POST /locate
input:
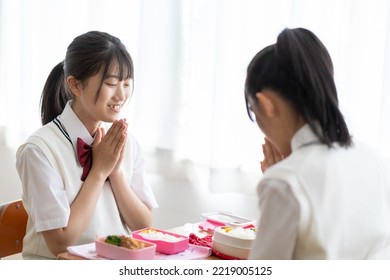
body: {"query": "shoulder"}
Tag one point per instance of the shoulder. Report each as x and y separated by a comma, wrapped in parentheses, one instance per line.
(45, 133)
(39, 136)
(47, 139)
(366, 149)
(370, 158)
(282, 171)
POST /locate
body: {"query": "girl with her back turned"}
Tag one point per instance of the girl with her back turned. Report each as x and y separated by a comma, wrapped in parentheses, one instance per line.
(82, 172)
(323, 195)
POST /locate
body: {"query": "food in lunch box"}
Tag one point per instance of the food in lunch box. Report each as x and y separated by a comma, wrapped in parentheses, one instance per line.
(234, 242)
(239, 232)
(124, 241)
(153, 234)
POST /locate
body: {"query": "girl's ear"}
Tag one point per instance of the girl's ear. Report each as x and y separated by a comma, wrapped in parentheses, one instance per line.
(74, 85)
(267, 103)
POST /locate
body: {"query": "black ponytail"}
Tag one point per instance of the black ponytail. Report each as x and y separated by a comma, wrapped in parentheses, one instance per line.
(55, 94)
(300, 69)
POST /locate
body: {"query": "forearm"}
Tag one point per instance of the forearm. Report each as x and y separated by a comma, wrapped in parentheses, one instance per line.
(81, 211)
(135, 212)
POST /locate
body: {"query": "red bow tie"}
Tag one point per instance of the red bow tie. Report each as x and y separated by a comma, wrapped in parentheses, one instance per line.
(84, 154)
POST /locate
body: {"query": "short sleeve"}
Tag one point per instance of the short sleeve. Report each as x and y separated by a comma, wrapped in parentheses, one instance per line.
(44, 195)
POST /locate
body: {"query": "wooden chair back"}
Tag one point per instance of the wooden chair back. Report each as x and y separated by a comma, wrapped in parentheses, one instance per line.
(13, 222)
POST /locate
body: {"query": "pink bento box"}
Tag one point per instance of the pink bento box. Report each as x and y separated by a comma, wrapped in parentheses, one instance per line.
(164, 246)
(114, 252)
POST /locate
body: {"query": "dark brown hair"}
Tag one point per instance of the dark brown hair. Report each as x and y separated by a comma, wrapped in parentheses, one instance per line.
(85, 57)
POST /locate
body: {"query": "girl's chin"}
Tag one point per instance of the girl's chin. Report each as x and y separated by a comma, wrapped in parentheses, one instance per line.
(111, 119)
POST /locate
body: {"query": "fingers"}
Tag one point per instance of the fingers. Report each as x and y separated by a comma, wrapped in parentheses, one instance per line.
(103, 132)
(273, 152)
(120, 143)
(271, 155)
(114, 140)
(263, 166)
(116, 132)
(277, 156)
(98, 136)
(268, 151)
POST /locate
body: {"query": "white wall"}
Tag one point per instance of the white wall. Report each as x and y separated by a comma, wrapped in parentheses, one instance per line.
(10, 186)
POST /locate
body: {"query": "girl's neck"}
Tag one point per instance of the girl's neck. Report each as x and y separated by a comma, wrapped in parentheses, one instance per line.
(92, 128)
(286, 131)
(90, 125)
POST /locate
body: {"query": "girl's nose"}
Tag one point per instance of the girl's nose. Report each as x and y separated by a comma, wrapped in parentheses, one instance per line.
(120, 93)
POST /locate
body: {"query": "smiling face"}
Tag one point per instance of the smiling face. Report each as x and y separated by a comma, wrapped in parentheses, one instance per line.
(93, 105)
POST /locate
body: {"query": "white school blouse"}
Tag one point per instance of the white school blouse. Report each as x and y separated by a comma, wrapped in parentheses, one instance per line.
(50, 173)
(324, 203)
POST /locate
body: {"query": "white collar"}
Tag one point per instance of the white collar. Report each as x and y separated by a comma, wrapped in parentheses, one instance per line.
(303, 137)
(73, 126)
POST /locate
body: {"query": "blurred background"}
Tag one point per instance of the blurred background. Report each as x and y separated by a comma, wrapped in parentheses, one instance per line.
(188, 109)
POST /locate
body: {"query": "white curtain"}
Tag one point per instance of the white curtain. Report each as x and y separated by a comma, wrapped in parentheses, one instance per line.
(190, 61)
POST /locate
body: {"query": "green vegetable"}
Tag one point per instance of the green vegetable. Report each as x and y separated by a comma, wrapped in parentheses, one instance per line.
(114, 240)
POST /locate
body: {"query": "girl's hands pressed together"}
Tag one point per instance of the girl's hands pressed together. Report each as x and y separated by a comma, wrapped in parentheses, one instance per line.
(119, 162)
(107, 149)
(271, 155)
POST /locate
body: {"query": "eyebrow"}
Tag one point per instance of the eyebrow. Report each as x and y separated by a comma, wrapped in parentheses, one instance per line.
(112, 76)
(115, 77)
